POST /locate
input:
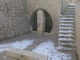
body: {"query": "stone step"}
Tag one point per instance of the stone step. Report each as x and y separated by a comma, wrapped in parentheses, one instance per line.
(68, 28)
(66, 31)
(66, 15)
(69, 44)
(72, 4)
(68, 39)
(66, 18)
(70, 10)
(71, 7)
(70, 25)
(62, 21)
(73, 41)
(65, 48)
(69, 13)
(66, 35)
(65, 25)
(65, 39)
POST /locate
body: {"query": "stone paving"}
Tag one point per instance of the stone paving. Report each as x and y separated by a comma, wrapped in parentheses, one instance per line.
(38, 39)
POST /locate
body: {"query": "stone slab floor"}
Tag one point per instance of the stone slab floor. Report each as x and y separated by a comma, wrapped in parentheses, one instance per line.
(38, 40)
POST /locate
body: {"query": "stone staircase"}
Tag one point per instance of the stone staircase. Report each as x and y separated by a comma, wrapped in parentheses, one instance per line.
(66, 31)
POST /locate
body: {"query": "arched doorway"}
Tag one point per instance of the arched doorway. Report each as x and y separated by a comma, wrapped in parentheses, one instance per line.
(48, 21)
(33, 21)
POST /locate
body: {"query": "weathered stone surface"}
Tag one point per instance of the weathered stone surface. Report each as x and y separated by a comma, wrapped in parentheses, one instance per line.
(13, 18)
(40, 22)
(15, 15)
(51, 6)
(77, 20)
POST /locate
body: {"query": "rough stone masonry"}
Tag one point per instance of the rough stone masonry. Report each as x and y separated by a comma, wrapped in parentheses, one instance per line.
(15, 15)
(13, 18)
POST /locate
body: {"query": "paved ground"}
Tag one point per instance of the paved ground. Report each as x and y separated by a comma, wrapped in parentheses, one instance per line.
(38, 40)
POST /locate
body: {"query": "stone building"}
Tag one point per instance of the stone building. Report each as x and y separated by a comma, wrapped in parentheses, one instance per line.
(19, 17)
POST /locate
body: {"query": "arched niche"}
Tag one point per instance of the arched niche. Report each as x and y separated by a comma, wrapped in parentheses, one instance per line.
(48, 21)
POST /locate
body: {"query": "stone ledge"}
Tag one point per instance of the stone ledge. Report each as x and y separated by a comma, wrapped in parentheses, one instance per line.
(22, 54)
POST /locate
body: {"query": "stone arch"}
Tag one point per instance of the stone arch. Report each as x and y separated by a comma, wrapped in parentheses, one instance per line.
(48, 21)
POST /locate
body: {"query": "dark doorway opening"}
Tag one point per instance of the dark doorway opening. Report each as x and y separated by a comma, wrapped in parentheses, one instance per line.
(34, 21)
(48, 21)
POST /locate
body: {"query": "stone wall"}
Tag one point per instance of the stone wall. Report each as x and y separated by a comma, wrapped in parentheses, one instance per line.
(13, 18)
(65, 4)
(15, 15)
(51, 6)
(73, 1)
(77, 20)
